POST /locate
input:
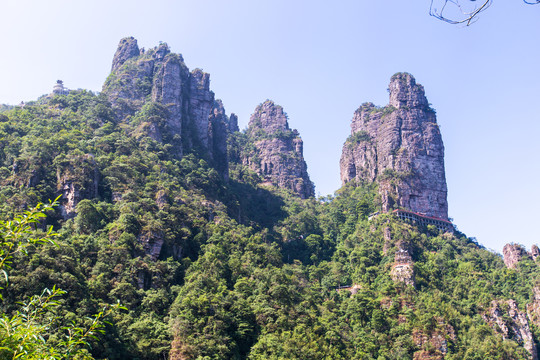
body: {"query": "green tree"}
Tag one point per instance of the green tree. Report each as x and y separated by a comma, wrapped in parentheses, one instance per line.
(34, 331)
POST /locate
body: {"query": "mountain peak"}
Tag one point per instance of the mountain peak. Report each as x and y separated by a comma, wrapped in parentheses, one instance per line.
(127, 49)
(158, 76)
(405, 92)
(278, 155)
(400, 148)
(270, 117)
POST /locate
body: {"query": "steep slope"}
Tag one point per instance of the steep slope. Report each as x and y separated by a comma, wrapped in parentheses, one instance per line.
(229, 269)
(400, 147)
(277, 153)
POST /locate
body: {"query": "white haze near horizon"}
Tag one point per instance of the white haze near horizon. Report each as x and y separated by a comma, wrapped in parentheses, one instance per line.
(320, 61)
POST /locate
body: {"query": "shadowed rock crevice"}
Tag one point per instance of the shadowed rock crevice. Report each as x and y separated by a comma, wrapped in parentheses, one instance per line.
(511, 323)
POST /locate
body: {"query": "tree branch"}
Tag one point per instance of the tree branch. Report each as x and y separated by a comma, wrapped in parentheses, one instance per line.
(467, 16)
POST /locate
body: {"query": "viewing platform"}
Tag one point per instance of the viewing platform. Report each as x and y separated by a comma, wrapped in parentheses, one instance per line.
(421, 219)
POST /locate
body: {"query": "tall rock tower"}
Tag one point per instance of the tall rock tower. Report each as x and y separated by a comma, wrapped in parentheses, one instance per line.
(399, 146)
(277, 152)
(189, 116)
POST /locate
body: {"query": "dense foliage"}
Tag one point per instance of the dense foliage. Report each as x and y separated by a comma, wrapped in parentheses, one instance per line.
(241, 271)
(34, 330)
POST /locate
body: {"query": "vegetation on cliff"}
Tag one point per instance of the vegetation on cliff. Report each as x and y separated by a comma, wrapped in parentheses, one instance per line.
(224, 266)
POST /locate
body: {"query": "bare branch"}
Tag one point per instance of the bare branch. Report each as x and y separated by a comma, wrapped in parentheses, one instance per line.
(459, 13)
(462, 16)
(466, 16)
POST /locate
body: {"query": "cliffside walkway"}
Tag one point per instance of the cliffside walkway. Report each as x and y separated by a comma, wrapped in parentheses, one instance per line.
(411, 216)
(421, 219)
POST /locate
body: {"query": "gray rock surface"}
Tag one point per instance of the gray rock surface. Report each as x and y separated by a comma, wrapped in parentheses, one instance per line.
(277, 154)
(506, 319)
(77, 179)
(159, 76)
(233, 123)
(200, 103)
(403, 267)
(400, 147)
(168, 85)
(127, 49)
(152, 242)
(512, 254)
(535, 252)
(219, 128)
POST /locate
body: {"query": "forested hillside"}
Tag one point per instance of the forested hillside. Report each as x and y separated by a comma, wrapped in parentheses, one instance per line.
(214, 260)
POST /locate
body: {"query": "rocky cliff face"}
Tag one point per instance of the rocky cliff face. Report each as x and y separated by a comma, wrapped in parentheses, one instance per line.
(506, 319)
(277, 152)
(403, 267)
(514, 253)
(77, 179)
(535, 252)
(533, 309)
(400, 147)
(219, 127)
(159, 76)
(127, 49)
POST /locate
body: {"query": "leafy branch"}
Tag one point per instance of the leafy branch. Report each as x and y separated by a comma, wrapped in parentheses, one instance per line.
(18, 234)
(27, 333)
(77, 337)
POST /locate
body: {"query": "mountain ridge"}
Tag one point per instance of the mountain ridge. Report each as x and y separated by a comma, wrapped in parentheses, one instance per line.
(232, 257)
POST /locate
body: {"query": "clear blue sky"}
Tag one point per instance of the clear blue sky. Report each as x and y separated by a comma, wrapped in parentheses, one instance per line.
(320, 60)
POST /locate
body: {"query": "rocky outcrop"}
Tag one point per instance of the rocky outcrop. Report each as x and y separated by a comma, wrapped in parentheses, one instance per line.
(131, 79)
(277, 153)
(233, 123)
(400, 147)
(127, 49)
(533, 309)
(506, 319)
(77, 179)
(403, 268)
(200, 103)
(170, 76)
(436, 341)
(159, 76)
(535, 252)
(219, 128)
(514, 253)
(152, 242)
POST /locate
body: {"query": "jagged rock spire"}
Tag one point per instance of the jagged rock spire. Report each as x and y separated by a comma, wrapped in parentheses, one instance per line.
(269, 117)
(405, 92)
(158, 76)
(400, 147)
(127, 49)
(279, 150)
(514, 253)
